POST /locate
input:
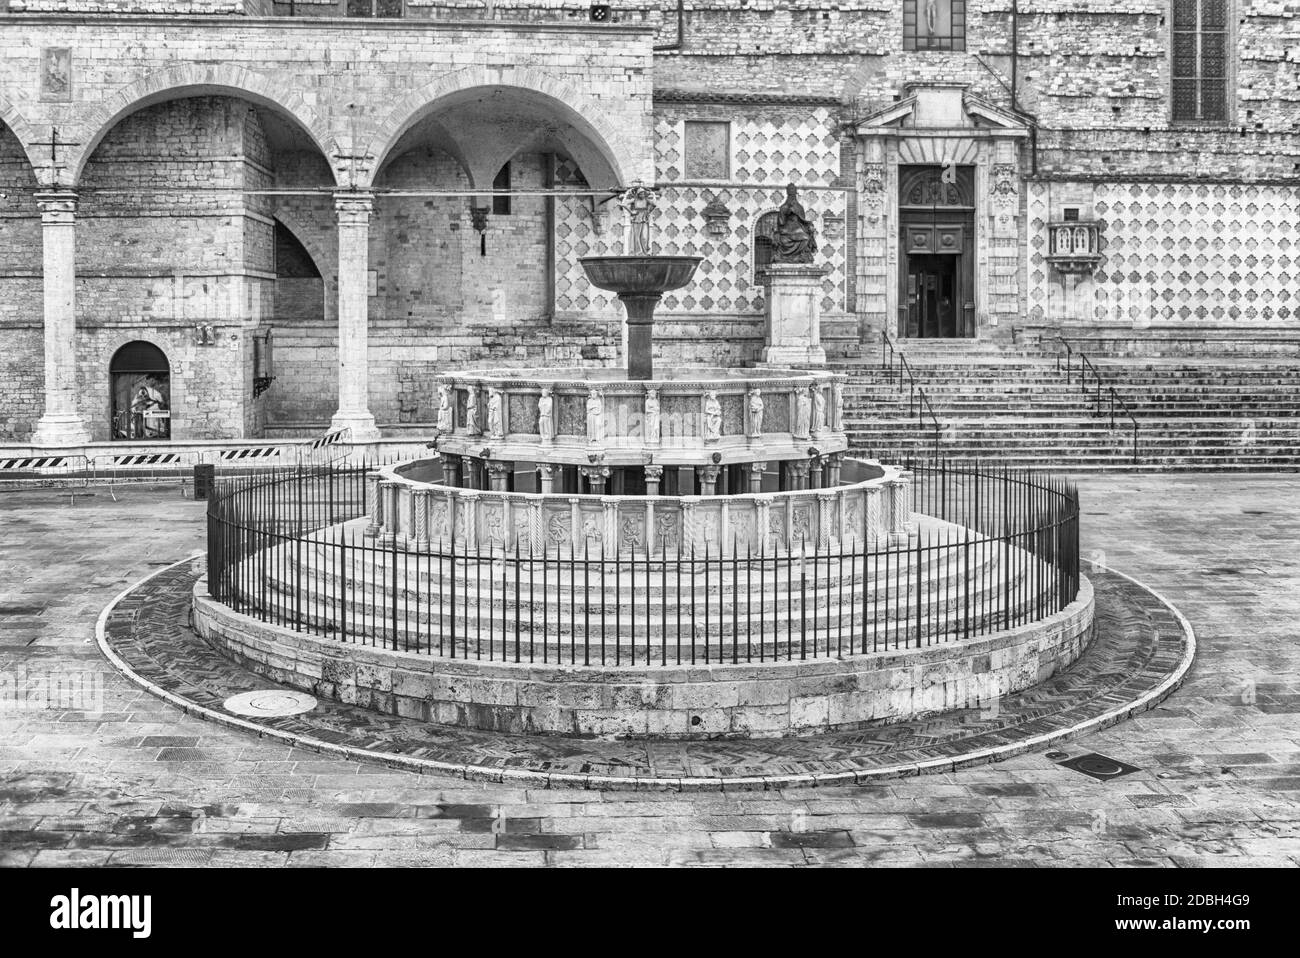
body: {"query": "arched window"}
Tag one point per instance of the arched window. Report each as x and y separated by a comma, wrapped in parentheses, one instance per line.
(140, 378)
(764, 244)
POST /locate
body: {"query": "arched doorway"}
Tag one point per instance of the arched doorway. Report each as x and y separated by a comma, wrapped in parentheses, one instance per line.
(937, 274)
(140, 378)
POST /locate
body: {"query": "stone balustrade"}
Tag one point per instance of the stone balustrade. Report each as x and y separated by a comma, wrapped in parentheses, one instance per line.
(403, 513)
(579, 416)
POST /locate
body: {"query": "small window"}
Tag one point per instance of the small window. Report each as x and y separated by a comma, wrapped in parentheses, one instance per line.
(391, 9)
(501, 204)
(708, 150)
(1200, 64)
(1071, 214)
(934, 25)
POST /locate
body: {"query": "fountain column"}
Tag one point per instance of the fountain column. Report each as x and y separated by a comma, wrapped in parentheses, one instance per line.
(60, 423)
(353, 211)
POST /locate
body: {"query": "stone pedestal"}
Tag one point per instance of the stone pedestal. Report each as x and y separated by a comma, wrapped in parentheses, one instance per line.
(793, 321)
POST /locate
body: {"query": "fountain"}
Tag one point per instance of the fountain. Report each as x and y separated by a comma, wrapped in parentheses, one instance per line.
(610, 552)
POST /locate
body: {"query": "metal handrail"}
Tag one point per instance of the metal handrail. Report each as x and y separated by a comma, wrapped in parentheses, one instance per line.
(1086, 366)
(914, 387)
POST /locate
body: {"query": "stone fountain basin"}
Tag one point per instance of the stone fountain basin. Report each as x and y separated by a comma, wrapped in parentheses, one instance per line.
(640, 274)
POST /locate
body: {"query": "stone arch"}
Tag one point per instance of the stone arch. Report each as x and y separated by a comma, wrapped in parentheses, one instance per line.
(326, 262)
(21, 129)
(585, 114)
(107, 350)
(758, 230)
(214, 79)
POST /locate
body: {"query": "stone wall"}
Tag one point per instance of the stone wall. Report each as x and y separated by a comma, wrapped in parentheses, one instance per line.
(703, 701)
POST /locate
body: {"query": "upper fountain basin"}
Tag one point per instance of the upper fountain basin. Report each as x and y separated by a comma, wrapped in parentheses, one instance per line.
(641, 273)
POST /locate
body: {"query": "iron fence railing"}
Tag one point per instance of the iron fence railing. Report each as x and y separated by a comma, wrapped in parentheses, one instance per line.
(890, 356)
(992, 549)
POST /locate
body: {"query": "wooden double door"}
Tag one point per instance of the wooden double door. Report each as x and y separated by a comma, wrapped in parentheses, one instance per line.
(937, 294)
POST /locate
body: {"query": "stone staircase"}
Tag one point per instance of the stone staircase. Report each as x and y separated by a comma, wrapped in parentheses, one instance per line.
(1012, 404)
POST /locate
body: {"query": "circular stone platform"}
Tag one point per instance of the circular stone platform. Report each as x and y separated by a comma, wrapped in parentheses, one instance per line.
(1142, 650)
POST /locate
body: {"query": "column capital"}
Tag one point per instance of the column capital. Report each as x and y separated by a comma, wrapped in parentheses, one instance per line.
(353, 207)
(57, 206)
(654, 473)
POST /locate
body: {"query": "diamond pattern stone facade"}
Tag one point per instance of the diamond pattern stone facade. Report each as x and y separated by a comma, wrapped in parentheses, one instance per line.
(1172, 253)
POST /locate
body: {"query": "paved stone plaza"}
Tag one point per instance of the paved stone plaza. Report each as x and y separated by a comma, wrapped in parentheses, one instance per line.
(141, 783)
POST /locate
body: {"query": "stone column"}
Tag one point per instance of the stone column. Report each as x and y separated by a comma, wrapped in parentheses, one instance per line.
(388, 528)
(834, 463)
(60, 423)
(450, 469)
(796, 472)
(375, 506)
(498, 475)
(419, 538)
(756, 476)
(596, 475)
(653, 476)
(709, 480)
(354, 236)
(547, 473)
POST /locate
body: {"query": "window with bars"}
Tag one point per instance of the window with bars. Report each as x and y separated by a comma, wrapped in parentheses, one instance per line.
(934, 24)
(1200, 67)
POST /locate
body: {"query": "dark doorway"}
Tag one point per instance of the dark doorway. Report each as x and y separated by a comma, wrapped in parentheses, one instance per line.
(932, 296)
(140, 380)
(937, 252)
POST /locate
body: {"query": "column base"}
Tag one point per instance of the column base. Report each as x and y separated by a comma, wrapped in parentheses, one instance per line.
(60, 431)
(362, 425)
(794, 356)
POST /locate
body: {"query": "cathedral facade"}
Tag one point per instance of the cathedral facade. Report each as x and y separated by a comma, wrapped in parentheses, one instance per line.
(229, 220)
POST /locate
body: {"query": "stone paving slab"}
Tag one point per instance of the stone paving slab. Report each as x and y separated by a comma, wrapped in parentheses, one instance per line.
(1138, 656)
(1166, 529)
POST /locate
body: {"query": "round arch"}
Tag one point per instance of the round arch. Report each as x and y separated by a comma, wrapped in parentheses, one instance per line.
(550, 94)
(139, 374)
(22, 130)
(323, 256)
(190, 81)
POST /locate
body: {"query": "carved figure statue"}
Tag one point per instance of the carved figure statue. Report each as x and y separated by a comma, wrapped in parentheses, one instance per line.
(755, 414)
(712, 416)
(495, 421)
(818, 410)
(595, 416)
(444, 408)
(471, 410)
(796, 240)
(652, 424)
(639, 202)
(546, 414)
(803, 414)
(837, 404)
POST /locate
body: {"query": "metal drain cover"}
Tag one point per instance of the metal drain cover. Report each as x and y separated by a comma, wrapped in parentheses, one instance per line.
(270, 703)
(1099, 766)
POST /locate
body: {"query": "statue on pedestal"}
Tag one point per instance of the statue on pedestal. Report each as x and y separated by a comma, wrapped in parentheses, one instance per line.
(796, 240)
(639, 202)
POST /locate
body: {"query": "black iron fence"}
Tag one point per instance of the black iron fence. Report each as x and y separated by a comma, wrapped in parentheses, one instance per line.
(991, 549)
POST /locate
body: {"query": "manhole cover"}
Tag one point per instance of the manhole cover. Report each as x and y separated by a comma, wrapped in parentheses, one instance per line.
(270, 703)
(1099, 766)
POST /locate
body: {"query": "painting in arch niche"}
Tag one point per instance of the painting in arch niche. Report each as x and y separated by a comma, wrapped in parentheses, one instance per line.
(140, 378)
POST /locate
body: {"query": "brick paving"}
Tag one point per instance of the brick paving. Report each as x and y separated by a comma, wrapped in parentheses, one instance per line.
(1138, 653)
(137, 782)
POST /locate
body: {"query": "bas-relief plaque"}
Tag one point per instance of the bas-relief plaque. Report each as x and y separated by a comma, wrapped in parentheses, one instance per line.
(56, 73)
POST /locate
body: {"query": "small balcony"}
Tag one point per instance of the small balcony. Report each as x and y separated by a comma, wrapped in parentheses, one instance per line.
(1074, 246)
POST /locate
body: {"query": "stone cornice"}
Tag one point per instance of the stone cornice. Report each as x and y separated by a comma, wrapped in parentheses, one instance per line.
(332, 24)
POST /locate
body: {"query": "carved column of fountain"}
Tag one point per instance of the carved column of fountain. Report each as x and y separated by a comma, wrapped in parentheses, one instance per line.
(640, 279)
